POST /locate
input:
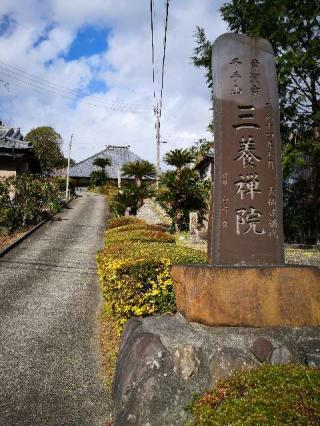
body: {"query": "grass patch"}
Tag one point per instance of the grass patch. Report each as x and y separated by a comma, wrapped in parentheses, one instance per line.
(293, 256)
(109, 341)
(310, 256)
(266, 396)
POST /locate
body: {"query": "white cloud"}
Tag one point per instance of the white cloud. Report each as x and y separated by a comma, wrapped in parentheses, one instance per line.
(125, 67)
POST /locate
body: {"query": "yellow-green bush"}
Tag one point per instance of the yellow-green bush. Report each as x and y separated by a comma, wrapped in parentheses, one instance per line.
(134, 270)
(138, 234)
(124, 220)
(269, 395)
(134, 226)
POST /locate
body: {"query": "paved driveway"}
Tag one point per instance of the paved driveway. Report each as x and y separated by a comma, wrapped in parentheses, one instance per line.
(49, 300)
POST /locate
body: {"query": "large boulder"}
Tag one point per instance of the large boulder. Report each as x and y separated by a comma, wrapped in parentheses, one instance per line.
(164, 360)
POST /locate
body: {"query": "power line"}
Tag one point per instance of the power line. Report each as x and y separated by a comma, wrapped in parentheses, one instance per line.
(157, 107)
(55, 44)
(37, 79)
(24, 82)
(152, 48)
(164, 53)
(34, 86)
(18, 71)
(23, 78)
(39, 87)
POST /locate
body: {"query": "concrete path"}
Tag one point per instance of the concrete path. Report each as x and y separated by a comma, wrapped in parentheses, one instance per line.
(49, 300)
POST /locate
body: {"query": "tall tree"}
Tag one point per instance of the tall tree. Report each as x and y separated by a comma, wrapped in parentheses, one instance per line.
(182, 190)
(139, 169)
(47, 144)
(102, 162)
(100, 177)
(179, 158)
(293, 28)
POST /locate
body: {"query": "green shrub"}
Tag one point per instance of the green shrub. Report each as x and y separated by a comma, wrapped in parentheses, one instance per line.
(131, 233)
(98, 178)
(131, 196)
(134, 270)
(110, 189)
(26, 200)
(266, 396)
(135, 226)
(124, 220)
(182, 191)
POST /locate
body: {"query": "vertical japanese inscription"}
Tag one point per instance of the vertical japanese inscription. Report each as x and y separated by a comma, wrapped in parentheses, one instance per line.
(247, 205)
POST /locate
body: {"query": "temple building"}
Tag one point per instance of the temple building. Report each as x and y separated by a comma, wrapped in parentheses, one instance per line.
(16, 155)
(118, 154)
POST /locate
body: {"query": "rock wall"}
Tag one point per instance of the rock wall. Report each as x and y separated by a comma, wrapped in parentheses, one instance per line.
(164, 360)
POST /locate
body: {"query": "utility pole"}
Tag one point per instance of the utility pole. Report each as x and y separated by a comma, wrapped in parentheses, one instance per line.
(119, 178)
(68, 168)
(157, 114)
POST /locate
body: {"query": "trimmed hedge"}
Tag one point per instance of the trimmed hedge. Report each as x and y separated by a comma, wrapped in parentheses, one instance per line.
(124, 220)
(134, 234)
(27, 199)
(266, 396)
(134, 270)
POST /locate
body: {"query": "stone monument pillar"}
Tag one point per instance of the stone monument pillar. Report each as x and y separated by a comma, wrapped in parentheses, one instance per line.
(247, 204)
(193, 226)
(246, 282)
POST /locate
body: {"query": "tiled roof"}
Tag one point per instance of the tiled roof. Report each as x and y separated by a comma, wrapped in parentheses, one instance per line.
(10, 143)
(12, 139)
(119, 155)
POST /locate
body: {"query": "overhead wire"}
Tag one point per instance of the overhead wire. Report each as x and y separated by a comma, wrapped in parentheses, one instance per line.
(21, 77)
(152, 48)
(158, 94)
(164, 54)
(55, 44)
(18, 71)
(73, 92)
(24, 82)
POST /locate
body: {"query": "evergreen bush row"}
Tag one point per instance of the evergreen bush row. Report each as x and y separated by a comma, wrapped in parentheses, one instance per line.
(134, 269)
(27, 199)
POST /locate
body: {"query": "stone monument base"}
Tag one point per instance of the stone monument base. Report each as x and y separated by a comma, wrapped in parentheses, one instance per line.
(286, 296)
(164, 360)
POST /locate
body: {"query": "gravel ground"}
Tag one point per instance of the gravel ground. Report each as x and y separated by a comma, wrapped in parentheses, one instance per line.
(50, 367)
(302, 256)
(293, 255)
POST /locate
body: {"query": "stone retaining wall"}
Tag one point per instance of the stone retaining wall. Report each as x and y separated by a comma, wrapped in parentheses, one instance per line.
(164, 360)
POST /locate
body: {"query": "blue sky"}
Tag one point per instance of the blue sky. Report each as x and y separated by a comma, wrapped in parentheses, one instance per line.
(89, 41)
(7, 24)
(52, 51)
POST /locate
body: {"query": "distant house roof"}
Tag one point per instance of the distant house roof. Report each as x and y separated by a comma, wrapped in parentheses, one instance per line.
(205, 160)
(12, 139)
(119, 155)
(12, 146)
(203, 165)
